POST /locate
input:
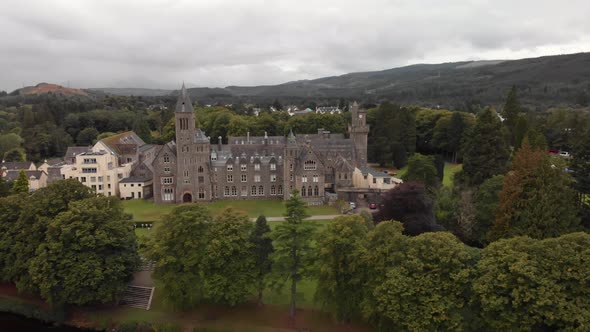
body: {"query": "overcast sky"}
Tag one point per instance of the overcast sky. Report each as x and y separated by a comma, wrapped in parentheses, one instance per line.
(160, 43)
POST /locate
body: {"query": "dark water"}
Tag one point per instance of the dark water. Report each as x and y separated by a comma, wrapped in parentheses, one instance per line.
(15, 323)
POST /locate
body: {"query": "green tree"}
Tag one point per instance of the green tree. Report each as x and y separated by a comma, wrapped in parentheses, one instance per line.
(292, 240)
(87, 136)
(524, 284)
(263, 249)
(10, 210)
(340, 280)
(178, 251)
(536, 199)
(89, 254)
(485, 152)
(580, 166)
(520, 130)
(428, 290)
(511, 112)
(21, 184)
(486, 202)
(9, 141)
(229, 264)
(39, 209)
(4, 187)
(141, 127)
(15, 154)
(421, 169)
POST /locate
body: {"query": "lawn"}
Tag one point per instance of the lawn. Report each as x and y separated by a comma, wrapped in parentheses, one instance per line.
(149, 211)
(450, 170)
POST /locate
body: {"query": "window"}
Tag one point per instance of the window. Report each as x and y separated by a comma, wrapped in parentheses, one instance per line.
(260, 191)
(244, 178)
(187, 180)
(89, 160)
(309, 165)
(139, 184)
(168, 194)
(273, 178)
(253, 191)
(273, 190)
(256, 167)
(166, 158)
(133, 184)
(201, 179)
(167, 181)
(89, 170)
(303, 191)
(108, 178)
(234, 191)
(230, 167)
(257, 178)
(167, 170)
(244, 167)
(93, 187)
(200, 169)
(244, 191)
(304, 178)
(83, 179)
(93, 179)
(129, 160)
(108, 186)
(291, 177)
(374, 180)
(226, 191)
(100, 187)
(290, 167)
(139, 194)
(316, 191)
(273, 166)
(309, 191)
(230, 178)
(280, 190)
(316, 178)
(185, 173)
(100, 179)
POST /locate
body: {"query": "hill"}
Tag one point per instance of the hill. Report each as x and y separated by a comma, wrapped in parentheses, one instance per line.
(43, 88)
(131, 92)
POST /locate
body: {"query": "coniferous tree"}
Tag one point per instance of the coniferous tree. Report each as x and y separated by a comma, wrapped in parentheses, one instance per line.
(520, 130)
(292, 240)
(4, 187)
(580, 166)
(536, 199)
(485, 151)
(263, 249)
(21, 184)
(511, 112)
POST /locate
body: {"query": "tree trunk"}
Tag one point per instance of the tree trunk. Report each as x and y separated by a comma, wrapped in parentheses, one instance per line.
(293, 293)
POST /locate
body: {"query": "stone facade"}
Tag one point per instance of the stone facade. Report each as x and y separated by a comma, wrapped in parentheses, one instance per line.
(191, 169)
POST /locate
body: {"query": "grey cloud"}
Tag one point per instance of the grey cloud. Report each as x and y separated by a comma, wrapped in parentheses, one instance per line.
(158, 43)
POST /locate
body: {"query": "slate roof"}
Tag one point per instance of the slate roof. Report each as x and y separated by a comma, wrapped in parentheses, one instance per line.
(184, 103)
(124, 143)
(16, 165)
(73, 151)
(375, 173)
(134, 179)
(12, 175)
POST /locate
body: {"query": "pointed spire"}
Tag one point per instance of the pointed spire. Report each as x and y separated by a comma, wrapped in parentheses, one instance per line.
(184, 102)
(291, 138)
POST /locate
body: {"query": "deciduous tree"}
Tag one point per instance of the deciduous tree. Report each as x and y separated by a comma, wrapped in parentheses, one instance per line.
(421, 169)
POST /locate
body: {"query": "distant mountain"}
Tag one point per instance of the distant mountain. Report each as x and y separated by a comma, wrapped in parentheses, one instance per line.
(544, 81)
(131, 91)
(43, 88)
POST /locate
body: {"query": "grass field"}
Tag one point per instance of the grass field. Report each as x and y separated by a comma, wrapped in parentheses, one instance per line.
(450, 170)
(149, 211)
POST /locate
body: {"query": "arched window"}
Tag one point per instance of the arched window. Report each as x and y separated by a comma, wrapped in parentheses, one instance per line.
(303, 192)
(226, 192)
(260, 191)
(201, 193)
(316, 191)
(309, 191)
(200, 169)
(309, 165)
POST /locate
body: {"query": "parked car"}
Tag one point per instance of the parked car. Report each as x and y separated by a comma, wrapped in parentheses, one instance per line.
(564, 154)
(372, 206)
(352, 205)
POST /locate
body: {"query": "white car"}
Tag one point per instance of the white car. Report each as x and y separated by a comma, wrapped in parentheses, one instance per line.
(564, 154)
(352, 205)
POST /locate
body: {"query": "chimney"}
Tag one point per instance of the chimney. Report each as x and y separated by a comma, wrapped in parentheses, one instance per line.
(219, 142)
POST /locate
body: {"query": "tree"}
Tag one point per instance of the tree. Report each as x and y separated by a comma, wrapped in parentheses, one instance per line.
(10, 210)
(141, 127)
(485, 152)
(4, 187)
(9, 141)
(21, 184)
(421, 169)
(520, 130)
(38, 210)
(428, 290)
(536, 199)
(15, 154)
(87, 136)
(486, 202)
(580, 166)
(410, 204)
(511, 112)
(292, 240)
(228, 265)
(340, 280)
(263, 249)
(524, 284)
(89, 254)
(178, 251)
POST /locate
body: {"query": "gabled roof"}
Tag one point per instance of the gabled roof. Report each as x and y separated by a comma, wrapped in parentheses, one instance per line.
(123, 143)
(16, 165)
(12, 175)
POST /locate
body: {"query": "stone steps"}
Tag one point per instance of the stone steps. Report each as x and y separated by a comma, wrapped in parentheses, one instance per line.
(137, 297)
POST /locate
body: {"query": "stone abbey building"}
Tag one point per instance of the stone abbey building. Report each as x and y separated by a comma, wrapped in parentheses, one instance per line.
(191, 169)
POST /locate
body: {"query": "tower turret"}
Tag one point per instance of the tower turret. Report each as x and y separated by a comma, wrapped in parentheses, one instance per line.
(359, 132)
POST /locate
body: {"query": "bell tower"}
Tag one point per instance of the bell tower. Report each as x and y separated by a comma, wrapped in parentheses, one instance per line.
(359, 132)
(185, 134)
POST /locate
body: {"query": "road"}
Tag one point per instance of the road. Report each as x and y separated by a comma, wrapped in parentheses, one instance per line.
(322, 217)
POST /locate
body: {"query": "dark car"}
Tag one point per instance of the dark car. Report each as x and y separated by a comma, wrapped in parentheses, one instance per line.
(372, 206)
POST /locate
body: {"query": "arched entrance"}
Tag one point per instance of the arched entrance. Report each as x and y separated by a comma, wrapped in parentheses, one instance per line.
(187, 198)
